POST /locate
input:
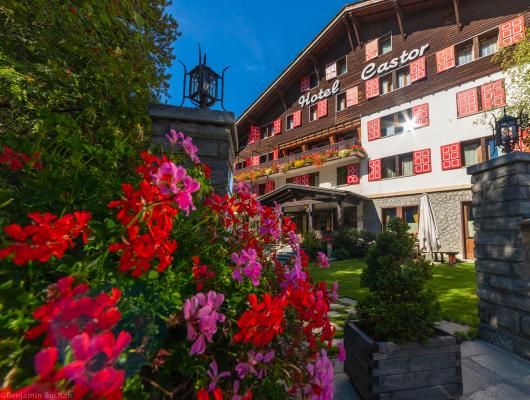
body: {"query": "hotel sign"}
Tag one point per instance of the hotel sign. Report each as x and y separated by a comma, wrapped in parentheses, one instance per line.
(371, 70)
(308, 99)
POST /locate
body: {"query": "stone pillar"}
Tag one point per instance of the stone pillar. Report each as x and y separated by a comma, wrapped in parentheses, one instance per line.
(340, 215)
(501, 208)
(213, 132)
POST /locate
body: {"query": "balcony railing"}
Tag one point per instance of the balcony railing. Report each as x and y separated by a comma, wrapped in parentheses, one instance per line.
(346, 144)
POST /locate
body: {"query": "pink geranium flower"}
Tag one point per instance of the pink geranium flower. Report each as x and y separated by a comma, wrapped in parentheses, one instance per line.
(322, 260)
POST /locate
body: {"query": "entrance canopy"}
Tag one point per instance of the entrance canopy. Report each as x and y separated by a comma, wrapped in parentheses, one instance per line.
(298, 194)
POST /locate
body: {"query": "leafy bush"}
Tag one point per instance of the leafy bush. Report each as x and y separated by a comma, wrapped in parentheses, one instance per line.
(175, 293)
(352, 243)
(312, 244)
(399, 307)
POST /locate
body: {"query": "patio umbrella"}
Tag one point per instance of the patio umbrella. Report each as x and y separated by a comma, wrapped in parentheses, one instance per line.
(427, 230)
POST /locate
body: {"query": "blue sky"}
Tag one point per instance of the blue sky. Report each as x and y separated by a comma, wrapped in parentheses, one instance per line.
(258, 39)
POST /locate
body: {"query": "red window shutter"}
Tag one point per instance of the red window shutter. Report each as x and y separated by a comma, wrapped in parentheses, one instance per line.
(374, 129)
(269, 186)
(277, 126)
(305, 83)
(445, 59)
(467, 102)
(372, 49)
(417, 69)
(372, 87)
(304, 180)
(451, 157)
(297, 118)
(322, 108)
(524, 144)
(374, 170)
(422, 161)
(255, 160)
(511, 32)
(331, 71)
(275, 154)
(353, 176)
(248, 162)
(493, 95)
(352, 96)
(254, 134)
(421, 115)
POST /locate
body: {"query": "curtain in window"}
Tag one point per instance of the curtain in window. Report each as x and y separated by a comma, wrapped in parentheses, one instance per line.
(465, 56)
(407, 166)
(471, 154)
(488, 46)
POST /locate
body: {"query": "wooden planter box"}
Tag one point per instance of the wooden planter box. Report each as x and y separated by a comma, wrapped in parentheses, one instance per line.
(390, 371)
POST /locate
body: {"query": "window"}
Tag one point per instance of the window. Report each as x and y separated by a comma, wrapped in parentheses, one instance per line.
(294, 150)
(488, 43)
(318, 145)
(341, 137)
(385, 44)
(464, 52)
(313, 80)
(350, 217)
(290, 121)
(386, 84)
(240, 165)
(409, 214)
(313, 113)
(471, 153)
(403, 77)
(406, 165)
(396, 123)
(341, 101)
(342, 67)
(400, 165)
(266, 131)
(388, 214)
(342, 175)
(411, 217)
(262, 187)
(266, 157)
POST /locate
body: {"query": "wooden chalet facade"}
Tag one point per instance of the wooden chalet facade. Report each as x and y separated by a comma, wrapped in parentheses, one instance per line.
(407, 80)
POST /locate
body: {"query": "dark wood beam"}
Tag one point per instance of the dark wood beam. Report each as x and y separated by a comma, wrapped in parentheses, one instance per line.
(356, 27)
(456, 7)
(349, 32)
(399, 15)
(281, 94)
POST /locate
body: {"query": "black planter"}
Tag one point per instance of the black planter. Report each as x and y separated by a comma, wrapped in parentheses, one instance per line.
(390, 371)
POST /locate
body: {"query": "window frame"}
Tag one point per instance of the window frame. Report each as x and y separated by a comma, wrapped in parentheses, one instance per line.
(343, 93)
(291, 116)
(270, 125)
(379, 44)
(310, 109)
(461, 43)
(399, 212)
(486, 34)
(345, 169)
(345, 58)
(396, 122)
(397, 165)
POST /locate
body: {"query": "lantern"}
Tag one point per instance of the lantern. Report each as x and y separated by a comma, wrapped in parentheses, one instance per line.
(507, 132)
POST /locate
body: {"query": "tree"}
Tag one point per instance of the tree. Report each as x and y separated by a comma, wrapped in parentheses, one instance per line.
(76, 78)
(515, 61)
(399, 307)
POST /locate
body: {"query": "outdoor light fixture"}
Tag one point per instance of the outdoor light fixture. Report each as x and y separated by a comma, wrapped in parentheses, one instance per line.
(203, 86)
(506, 130)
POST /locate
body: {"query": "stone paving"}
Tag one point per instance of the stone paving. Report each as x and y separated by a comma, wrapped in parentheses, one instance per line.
(489, 373)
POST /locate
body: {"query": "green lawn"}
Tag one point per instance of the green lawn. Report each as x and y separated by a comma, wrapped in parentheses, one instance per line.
(455, 286)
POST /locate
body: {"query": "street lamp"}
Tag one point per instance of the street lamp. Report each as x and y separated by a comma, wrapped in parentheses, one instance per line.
(203, 88)
(506, 131)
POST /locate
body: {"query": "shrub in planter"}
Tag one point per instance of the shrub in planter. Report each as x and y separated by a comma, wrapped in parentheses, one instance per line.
(168, 293)
(399, 307)
(394, 351)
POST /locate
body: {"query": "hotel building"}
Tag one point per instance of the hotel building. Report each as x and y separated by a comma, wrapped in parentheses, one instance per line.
(390, 100)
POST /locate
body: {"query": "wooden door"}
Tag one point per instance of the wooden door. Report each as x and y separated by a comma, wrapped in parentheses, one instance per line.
(468, 231)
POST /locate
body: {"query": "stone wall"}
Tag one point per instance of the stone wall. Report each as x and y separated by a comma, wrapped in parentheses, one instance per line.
(213, 132)
(447, 209)
(501, 207)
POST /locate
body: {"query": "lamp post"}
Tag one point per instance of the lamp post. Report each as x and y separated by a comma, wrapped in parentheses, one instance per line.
(506, 130)
(203, 87)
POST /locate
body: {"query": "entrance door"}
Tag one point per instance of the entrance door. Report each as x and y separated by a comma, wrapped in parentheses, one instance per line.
(468, 231)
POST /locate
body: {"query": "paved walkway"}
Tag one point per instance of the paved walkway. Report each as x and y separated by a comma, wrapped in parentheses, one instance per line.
(489, 373)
